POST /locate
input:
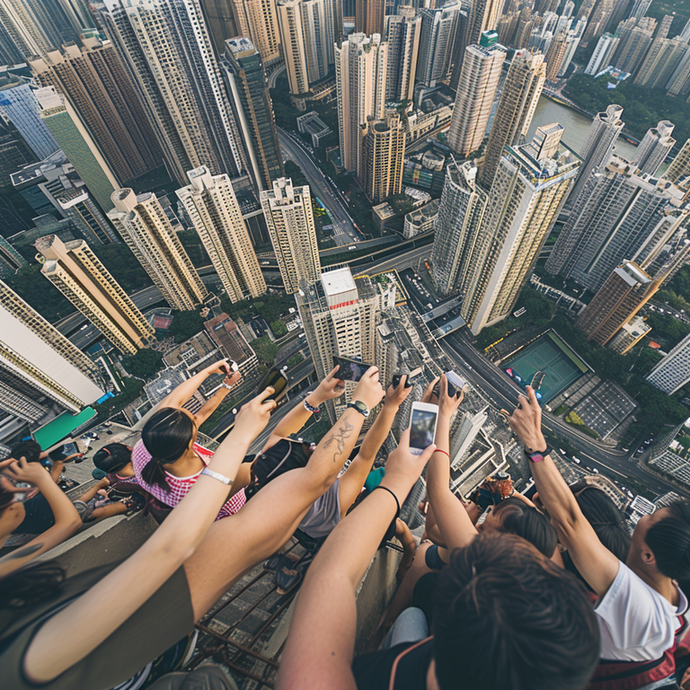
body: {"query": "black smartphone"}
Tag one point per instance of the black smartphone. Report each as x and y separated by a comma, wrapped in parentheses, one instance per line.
(278, 381)
(349, 369)
(537, 380)
(396, 381)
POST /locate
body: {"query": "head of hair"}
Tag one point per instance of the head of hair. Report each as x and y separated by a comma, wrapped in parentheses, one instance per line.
(167, 435)
(527, 522)
(669, 540)
(112, 457)
(508, 618)
(30, 585)
(28, 449)
(606, 519)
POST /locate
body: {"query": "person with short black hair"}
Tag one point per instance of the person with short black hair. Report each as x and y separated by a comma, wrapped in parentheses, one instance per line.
(641, 607)
(507, 617)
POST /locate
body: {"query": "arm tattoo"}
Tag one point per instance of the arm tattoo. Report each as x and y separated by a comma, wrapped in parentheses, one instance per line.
(339, 437)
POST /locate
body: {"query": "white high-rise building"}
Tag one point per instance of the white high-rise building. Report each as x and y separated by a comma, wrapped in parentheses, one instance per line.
(481, 71)
(403, 32)
(654, 147)
(39, 368)
(319, 37)
(603, 53)
(294, 46)
(460, 218)
(168, 50)
(212, 207)
(673, 371)
(148, 232)
(529, 189)
(439, 28)
(361, 64)
(290, 222)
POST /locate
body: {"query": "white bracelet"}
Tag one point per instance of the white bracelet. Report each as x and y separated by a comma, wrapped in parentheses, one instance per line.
(227, 385)
(217, 475)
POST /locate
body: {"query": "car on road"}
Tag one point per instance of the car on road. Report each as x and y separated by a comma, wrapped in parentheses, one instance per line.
(576, 460)
(351, 248)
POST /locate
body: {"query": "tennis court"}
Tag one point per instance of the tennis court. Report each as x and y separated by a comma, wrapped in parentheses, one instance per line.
(551, 355)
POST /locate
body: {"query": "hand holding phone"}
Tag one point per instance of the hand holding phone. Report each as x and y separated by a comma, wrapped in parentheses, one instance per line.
(395, 382)
(423, 420)
(278, 381)
(349, 369)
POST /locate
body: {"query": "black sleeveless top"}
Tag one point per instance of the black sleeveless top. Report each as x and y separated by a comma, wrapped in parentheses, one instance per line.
(403, 667)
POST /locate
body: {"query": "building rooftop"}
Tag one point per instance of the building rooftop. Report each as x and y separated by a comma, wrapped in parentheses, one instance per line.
(337, 281)
(240, 45)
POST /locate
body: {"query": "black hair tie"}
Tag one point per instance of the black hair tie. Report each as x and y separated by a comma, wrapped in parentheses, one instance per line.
(397, 502)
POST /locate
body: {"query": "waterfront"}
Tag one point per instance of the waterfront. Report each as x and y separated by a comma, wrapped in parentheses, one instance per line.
(576, 126)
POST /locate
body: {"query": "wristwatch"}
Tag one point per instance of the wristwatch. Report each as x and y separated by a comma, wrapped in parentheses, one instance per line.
(539, 455)
(360, 407)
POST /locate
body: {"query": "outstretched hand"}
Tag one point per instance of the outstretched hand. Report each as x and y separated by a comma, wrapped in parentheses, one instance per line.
(448, 404)
(23, 471)
(429, 394)
(231, 380)
(402, 466)
(369, 390)
(526, 422)
(253, 417)
(395, 395)
(331, 387)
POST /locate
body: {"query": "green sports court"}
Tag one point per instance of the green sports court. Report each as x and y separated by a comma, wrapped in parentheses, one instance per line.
(550, 354)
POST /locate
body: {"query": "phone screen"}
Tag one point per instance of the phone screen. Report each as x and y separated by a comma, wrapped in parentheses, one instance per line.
(349, 370)
(277, 380)
(422, 428)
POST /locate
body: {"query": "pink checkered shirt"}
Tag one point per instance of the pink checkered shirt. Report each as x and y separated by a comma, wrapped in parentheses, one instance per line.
(179, 486)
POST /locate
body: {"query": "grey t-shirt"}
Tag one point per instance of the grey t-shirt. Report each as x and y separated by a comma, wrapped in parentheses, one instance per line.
(323, 516)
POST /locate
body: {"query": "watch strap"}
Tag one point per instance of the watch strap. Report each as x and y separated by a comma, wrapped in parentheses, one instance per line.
(360, 407)
(539, 455)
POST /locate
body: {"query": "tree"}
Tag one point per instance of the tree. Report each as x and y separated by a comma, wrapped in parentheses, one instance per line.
(185, 324)
(293, 171)
(123, 266)
(295, 360)
(278, 328)
(144, 363)
(40, 293)
(265, 350)
(131, 389)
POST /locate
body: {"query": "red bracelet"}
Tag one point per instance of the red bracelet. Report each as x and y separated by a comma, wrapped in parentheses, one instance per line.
(445, 452)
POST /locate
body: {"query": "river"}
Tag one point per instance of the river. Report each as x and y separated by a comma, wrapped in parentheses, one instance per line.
(576, 126)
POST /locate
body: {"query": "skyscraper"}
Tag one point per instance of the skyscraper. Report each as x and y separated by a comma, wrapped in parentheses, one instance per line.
(76, 271)
(248, 90)
(483, 16)
(294, 50)
(634, 43)
(654, 147)
(403, 31)
(256, 19)
(383, 151)
(625, 216)
(481, 71)
(680, 167)
(673, 371)
(86, 216)
(100, 90)
(167, 45)
(603, 53)
(460, 216)
(555, 55)
(211, 204)
(78, 145)
(528, 192)
(18, 103)
(599, 19)
(661, 61)
(318, 29)
(439, 28)
(521, 91)
(369, 16)
(621, 296)
(147, 230)
(290, 222)
(361, 64)
(220, 20)
(40, 370)
(339, 317)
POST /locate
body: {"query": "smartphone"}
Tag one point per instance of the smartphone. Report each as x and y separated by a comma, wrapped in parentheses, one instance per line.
(349, 369)
(278, 381)
(232, 365)
(537, 380)
(456, 380)
(422, 426)
(396, 381)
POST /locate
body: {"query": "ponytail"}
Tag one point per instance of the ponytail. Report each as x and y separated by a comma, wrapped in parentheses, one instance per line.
(166, 436)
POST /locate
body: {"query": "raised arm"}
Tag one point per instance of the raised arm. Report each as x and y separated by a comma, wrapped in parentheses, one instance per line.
(320, 646)
(352, 481)
(454, 523)
(593, 560)
(179, 396)
(117, 596)
(210, 406)
(67, 520)
(329, 389)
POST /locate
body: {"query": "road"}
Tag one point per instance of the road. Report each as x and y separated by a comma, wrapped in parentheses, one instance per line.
(504, 393)
(273, 76)
(320, 186)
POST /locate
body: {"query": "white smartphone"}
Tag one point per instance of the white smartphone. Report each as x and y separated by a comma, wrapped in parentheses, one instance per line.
(422, 426)
(232, 365)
